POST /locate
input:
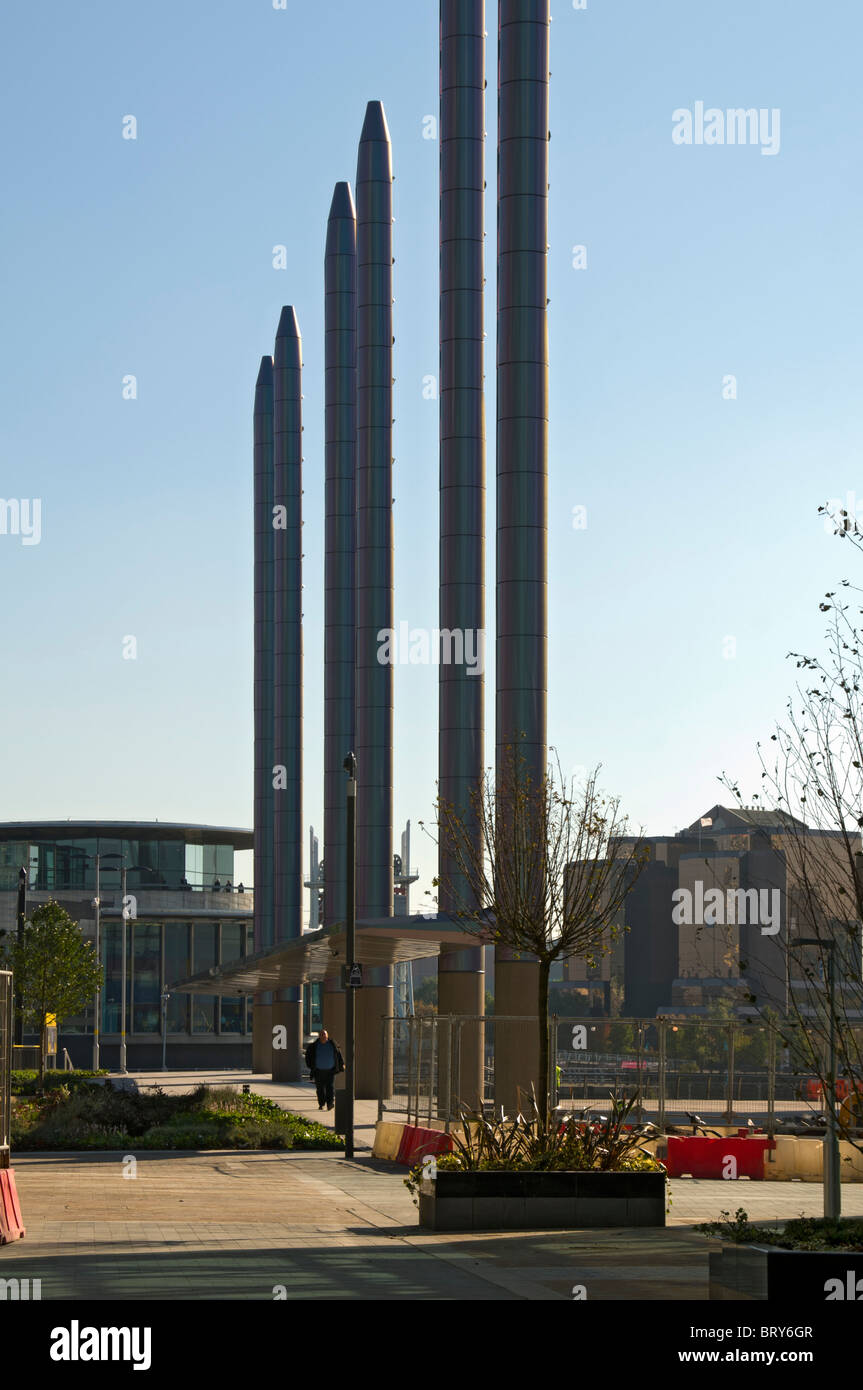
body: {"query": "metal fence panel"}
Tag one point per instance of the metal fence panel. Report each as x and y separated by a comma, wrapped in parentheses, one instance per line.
(724, 1070)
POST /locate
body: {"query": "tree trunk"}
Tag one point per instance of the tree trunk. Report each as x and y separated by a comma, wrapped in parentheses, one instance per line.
(542, 1024)
(43, 1043)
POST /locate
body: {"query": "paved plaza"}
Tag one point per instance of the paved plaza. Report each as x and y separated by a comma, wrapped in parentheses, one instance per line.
(249, 1225)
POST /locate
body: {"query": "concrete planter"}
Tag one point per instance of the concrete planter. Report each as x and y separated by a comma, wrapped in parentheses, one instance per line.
(514, 1201)
(740, 1273)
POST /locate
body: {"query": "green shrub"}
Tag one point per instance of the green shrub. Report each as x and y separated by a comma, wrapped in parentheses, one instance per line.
(577, 1144)
(803, 1233)
(26, 1083)
(98, 1117)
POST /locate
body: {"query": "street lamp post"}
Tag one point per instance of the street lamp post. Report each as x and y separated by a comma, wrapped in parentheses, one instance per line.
(22, 916)
(165, 997)
(97, 1001)
(832, 1171)
(123, 929)
(350, 766)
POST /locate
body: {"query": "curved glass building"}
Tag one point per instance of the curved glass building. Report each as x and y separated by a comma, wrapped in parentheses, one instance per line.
(188, 912)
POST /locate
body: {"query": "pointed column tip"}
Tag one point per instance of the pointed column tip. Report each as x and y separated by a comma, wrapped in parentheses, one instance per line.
(343, 201)
(375, 124)
(288, 324)
(265, 371)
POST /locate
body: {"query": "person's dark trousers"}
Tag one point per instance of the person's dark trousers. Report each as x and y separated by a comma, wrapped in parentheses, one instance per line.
(324, 1084)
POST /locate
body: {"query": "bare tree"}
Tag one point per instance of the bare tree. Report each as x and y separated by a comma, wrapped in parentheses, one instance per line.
(813, 772)
(541, 868)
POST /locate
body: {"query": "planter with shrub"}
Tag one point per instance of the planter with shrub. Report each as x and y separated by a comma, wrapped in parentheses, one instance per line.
(810, 1258)
(516, 1174)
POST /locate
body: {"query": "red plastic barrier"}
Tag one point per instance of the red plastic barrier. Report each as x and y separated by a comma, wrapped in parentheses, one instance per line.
(406, 1141)
(11, 1225)
(706, 1157)
(417, 1143)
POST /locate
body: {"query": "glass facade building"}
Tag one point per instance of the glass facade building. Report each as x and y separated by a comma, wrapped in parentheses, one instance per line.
(160, 954)
(189, 913)
(67, 863)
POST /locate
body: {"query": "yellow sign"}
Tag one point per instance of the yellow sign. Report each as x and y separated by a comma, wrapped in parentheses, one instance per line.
(50, 1020)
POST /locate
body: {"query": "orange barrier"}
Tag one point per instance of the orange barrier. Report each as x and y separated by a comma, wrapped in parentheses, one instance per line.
(845, 1087)
(11, 1225)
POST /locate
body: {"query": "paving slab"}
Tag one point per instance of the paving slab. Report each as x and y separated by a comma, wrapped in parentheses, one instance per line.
(225, 1225)
(260, 1225)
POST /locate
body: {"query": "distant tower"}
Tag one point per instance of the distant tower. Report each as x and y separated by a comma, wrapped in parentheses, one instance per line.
(314, 882)
(403, 877)
(288, 701)
(374, 574)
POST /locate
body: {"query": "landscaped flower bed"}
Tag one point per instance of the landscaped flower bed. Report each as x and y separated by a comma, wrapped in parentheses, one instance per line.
(809, 1258)
(517, 1174)
(98, 1117)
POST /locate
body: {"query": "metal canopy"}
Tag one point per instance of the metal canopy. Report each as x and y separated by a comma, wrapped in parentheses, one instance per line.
(320, 955)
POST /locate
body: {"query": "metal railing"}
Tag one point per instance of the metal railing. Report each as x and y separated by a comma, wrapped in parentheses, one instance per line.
(725, 1070)
(25, 1057)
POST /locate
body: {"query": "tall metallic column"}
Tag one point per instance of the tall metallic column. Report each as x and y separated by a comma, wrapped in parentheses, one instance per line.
(374, 571)
(264, 633)
(462, 481)
(288, 684)
(263, 696)
(340, 394)
(522, 452)
(340, 445)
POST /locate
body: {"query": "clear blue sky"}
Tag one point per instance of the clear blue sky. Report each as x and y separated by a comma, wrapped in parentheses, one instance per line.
(154, 258)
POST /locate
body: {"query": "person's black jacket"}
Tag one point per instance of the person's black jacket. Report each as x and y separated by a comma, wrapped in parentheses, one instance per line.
(312, 1049)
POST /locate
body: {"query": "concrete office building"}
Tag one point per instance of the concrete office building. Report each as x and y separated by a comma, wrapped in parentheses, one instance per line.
(711, 916)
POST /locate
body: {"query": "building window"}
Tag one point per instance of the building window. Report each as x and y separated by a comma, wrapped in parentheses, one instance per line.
(177, 967)
(14, 856)
(203, 1013)
(112, 961)
(194, 865)
(312, 1008)
(146, 960)
(233, 942)
(205, 934)
(224, 864)
(231, 1014)
(204, 954)
(172, 862)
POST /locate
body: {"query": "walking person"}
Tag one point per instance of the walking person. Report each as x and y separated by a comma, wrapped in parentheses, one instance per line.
(324, 1061)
